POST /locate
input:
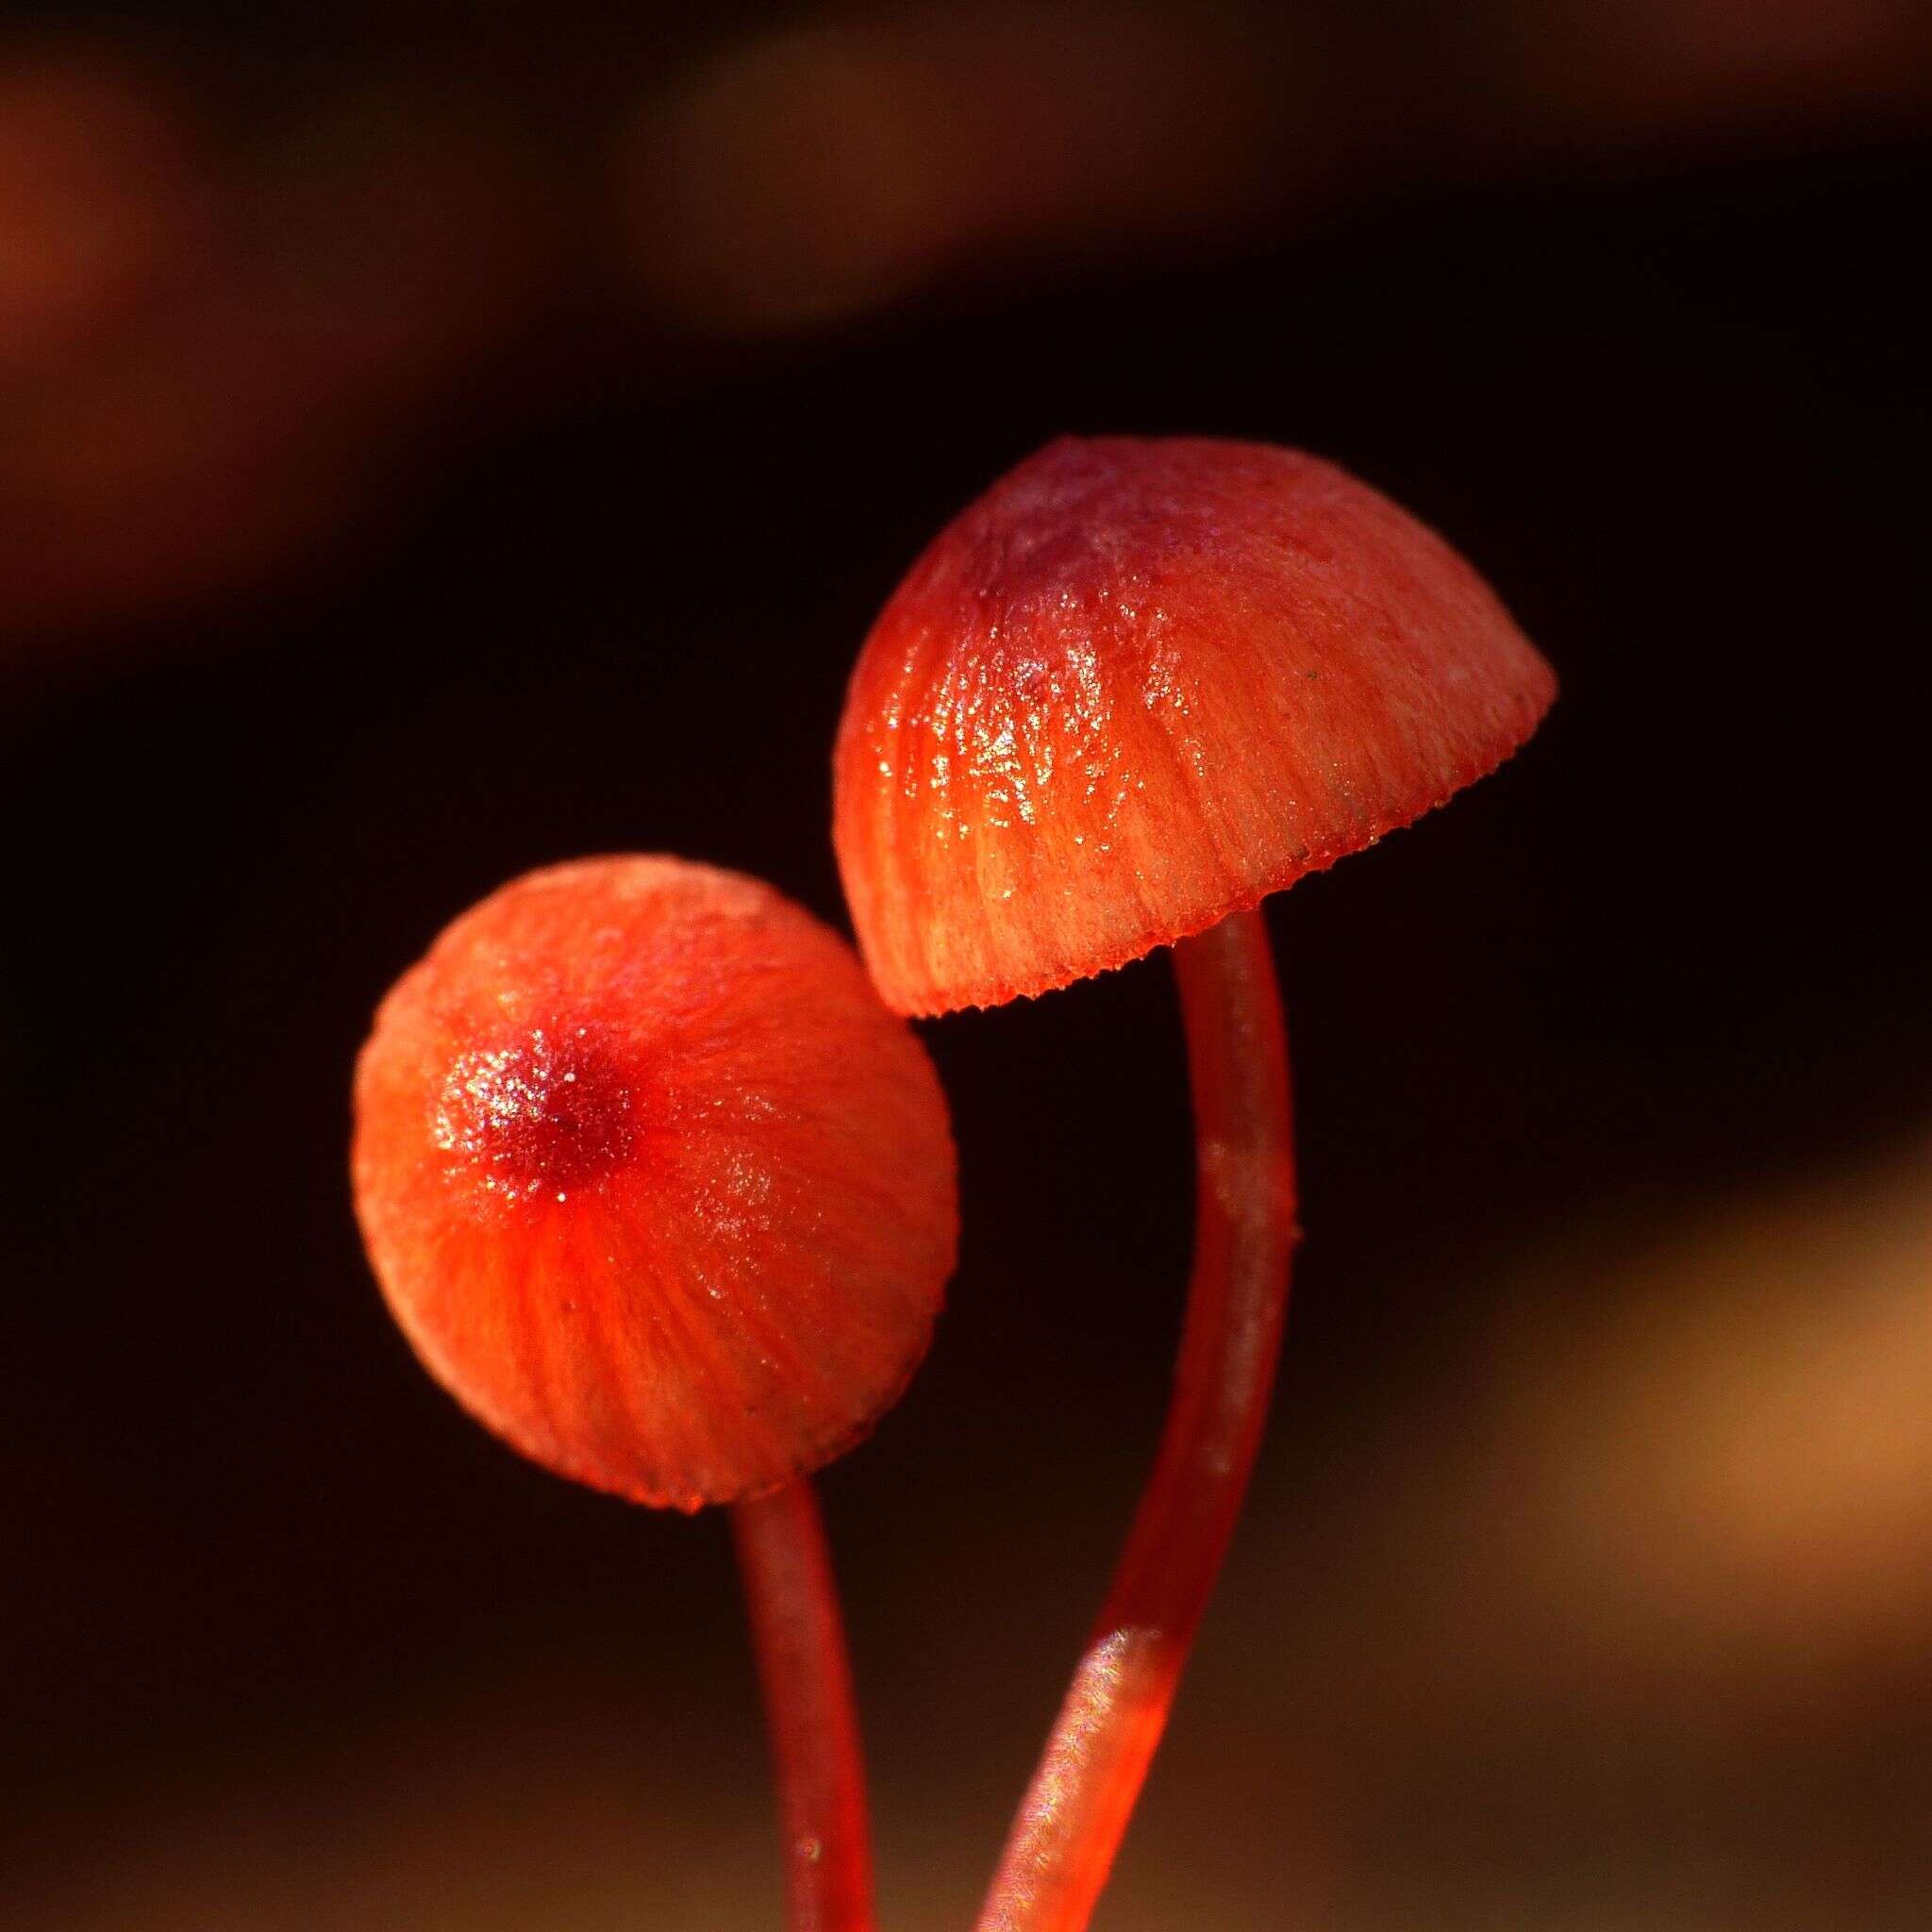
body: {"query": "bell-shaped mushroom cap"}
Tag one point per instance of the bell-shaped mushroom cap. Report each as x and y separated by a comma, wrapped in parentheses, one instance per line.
(1140, 685)
(654, 1184)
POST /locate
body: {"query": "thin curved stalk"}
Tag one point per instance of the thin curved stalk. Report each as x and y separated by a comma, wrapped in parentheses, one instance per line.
(800, 1641)
(1075, 1812)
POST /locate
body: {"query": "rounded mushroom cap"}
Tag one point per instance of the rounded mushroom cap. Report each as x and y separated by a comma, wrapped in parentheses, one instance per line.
(1142, 683)
(654, 1185)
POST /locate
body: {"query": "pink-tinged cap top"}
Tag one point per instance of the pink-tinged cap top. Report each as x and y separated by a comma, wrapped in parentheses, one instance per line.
(654, 1184)
(1140, 685)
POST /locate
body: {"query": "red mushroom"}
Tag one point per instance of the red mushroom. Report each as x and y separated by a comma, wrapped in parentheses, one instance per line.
(1131, 690)
(664, 1196)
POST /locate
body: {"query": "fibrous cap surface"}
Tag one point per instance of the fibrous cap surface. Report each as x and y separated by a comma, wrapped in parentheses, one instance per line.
(654, 1184)
(1141, 684)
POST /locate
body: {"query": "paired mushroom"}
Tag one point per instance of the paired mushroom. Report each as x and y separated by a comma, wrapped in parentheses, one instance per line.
(657, 1188)
(1131, 690)
(660, 1193)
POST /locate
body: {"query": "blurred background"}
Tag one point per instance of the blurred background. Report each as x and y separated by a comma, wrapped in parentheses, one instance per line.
(440, 439)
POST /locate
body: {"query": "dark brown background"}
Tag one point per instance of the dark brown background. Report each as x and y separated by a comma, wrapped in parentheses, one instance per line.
(442, 440)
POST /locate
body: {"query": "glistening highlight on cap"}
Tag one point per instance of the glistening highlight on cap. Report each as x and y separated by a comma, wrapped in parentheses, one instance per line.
(1137, 686)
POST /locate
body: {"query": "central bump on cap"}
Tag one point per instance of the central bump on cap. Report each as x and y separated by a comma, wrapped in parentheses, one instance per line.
(758, 1210)
(543, 1110)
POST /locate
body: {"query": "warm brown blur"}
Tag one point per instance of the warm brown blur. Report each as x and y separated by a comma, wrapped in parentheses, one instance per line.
(209, 361)
(438, 440)
(218, 339)
(815, 172)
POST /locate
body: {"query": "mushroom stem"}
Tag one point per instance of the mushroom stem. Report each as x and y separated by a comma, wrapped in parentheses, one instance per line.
(1075, 1812)
(799, 1637)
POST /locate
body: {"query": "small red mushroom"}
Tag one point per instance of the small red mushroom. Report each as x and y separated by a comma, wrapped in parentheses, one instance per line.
(1135, 688)
(662, 1194)
(654, 1185)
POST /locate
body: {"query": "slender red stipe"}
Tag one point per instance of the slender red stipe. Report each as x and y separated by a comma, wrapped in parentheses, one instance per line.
(800, 1641)
(1076, 1810)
